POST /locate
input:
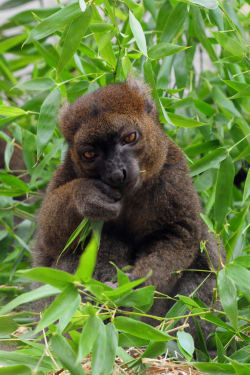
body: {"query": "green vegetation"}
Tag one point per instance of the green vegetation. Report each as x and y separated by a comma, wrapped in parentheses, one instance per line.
(60, 53)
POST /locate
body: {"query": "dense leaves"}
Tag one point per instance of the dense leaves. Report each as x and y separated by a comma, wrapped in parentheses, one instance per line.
(194, 55)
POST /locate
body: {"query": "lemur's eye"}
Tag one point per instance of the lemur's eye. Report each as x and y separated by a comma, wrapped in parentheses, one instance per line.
(89, 154)
(130, 138)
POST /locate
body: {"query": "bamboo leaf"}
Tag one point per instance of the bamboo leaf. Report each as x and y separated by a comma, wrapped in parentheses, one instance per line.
(76, 31)
(50, 276)
(186, 344)
(185, 122)
(88, 258)
(138, 33)
(14, 182)
(8, 111)
(68, 298)
(99, 350)
(7, 326)
(211, 160)
(171, 29)
(111, 348)
(54, 22)
(66, 355)
(41, 292)
(37, 84)
(48, 119)
(140, 329)
(223, 192)
(209, 4)
(215, 368)
(11, 42)
(88, 337)
(229, 43)
(228, 297)
(14, 370)
(241, 277)
(164, 49)
(247, 187)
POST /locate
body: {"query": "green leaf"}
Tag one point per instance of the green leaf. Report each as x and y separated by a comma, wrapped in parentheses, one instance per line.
(138, 33)
(215, 368)
(115, 293)
(138, 298)
(140, 329)
(48, 53)
(223, 192)
(127, 340)
(154, 349)
(68, 297)
(211, 160)
(240, 368)
(16, 357)
(243, 260)
(66, 355)
(87, 261)
(13, 181)
(185, 122)
(41, 292)
(8, 111)
(220, 349)
(242, 93)
(48, 119)
(88, 337)
(54, 22)
(199, 28)
(236, 85)
(37, 84)
(99, 350)
(69, 312)
(51, 276)
(201, 147)
(131, 4)
(171, 29)
(228, 297)
(163, 49)
(150, 6)
(205, 108)
(186, 343)
(224, 103)
(81, 227)
(241, 277)
(7, 326)
(122, 278)
(126, 65)
(237, 225)
(242, 355)
(111, 348)
(14, 370)
(75, 32)
(103, 41)
(8, 152)
(101, 27)
(209, 4)
(229, 43)
(11, 42)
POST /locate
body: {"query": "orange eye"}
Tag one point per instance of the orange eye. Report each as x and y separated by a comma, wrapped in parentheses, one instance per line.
(130, 138)
(89, 154)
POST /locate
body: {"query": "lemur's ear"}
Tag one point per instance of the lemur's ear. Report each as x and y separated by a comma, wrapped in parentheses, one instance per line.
(136, 84)
(68, 124)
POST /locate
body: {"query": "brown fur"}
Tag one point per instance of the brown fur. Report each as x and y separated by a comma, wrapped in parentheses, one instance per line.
(155, 226)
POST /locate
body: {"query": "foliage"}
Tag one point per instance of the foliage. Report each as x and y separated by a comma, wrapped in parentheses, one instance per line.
(66, 51)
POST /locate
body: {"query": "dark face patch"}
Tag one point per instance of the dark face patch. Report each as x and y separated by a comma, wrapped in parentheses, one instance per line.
(108, 150)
